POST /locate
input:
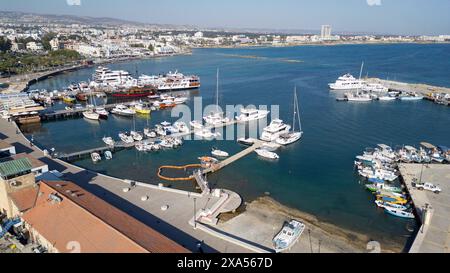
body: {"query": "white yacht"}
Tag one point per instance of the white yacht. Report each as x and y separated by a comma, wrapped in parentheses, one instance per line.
(122, 110)
(346, 82)
(206, 134)
(274, 130)
(126, 138)
(104, 77)
(219, 153)
(266, 154)
(358, 97)
(251, 114)
(291, 137)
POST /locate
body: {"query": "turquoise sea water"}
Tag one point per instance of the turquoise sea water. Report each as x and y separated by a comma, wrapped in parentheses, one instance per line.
(314, 175)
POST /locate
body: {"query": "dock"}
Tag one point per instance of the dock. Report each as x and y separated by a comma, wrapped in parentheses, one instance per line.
(236, 157)
(423, 89)
(75, 112)
(431, 210)
(86, 153)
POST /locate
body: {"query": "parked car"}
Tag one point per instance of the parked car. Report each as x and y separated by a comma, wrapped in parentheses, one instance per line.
(428, 187)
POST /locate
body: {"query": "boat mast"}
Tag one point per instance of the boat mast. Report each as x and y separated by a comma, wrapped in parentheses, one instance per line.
(217, 91)
(360, 74)
(293, 118)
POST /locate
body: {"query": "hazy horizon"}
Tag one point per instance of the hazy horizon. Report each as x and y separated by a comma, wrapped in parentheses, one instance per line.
(402, 17)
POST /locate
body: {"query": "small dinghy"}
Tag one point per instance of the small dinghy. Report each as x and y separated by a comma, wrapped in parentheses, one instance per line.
(108, 141)
(288, 235)
(219, 153)
(108, 155)
(96, 157)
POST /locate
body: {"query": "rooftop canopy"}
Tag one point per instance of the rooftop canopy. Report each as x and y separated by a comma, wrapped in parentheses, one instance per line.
(428, 145)
(14, 167)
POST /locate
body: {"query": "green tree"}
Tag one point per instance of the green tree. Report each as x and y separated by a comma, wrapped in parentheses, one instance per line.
(5, 44)
(46, 40)
(151, 47)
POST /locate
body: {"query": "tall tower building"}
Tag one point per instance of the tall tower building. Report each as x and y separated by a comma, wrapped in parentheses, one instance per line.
(326, 32)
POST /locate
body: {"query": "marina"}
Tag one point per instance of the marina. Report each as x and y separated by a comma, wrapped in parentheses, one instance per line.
(262, 175)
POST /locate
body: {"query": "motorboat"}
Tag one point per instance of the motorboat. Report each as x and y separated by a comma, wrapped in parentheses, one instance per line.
(358, 97)
(196, 124)
(399, 213)
(382, 186)
(219, 153)
(91, 115)
(411, 97)
(266, 154)
(141, 147)
(274, 130)
(95, 157)
(246, 141)
(149, 133)
(141, 109)
(251, 114)
(291, 137)
(123, 110)
(386, 98)
(270, 146)
(374, 87)
(181, 127)
(206, 133)
(288, 235)
(126, 138)
(108, 141)
(136, 135)
(102, 112)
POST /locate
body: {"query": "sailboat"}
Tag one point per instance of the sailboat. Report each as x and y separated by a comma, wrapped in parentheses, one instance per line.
(291, 137)
(358, 96)
(134, 134)
(216, 118)
(91, 114)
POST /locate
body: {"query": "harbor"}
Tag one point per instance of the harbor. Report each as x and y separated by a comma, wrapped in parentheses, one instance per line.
(260, 176)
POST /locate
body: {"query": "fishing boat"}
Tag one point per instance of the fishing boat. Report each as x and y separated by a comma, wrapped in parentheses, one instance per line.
(392, 199)
(266, 154)
(383, 204)
(382, 186)
(217, 117)
(141, 109)
(288, 235)
(95, 157)
(123, 110)
(219, 153)
(387, 98)
(251, 114)
(411, 97)
(108, 141)
(399, 213)
(291, 137)
(69, 99)
(274, 130)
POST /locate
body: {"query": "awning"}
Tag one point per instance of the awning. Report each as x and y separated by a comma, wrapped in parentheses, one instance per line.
(15, 167)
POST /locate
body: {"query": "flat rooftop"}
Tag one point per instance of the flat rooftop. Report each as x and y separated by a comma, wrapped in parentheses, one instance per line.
(435, 237)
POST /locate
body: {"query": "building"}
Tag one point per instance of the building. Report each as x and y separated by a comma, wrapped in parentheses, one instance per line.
(33, 46)
(55, 44)
(325, 32)
(198, 34)
(15, 175)
(66, 218)
(6, 149)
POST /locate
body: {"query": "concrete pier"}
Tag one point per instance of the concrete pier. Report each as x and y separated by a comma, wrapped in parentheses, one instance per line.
(434, 233)
(423, 89)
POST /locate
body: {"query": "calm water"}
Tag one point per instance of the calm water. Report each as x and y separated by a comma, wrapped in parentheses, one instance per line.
(314, 175)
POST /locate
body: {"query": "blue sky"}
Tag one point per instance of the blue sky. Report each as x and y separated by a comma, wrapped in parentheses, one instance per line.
(392, 16)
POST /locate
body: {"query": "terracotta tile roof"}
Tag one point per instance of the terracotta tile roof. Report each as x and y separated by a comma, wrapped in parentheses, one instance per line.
(24, 199)
(95, 224)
